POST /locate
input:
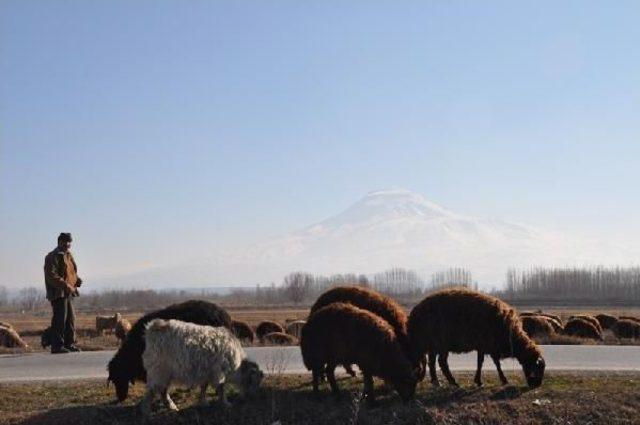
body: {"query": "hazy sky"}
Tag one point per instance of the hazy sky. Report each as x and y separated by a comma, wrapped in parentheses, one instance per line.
(160, 131)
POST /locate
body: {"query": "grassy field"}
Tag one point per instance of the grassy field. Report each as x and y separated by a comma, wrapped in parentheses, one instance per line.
(564, 398)
(30, 325)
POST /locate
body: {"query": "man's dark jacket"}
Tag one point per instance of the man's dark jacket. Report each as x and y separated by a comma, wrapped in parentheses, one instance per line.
(60, 270)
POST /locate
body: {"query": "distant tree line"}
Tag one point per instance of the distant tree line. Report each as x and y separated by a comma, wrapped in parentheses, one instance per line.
(297, 288)
(608, 284)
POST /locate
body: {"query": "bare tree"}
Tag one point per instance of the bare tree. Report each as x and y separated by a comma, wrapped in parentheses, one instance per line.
(4, 296)
(30, 298)
(297, 286)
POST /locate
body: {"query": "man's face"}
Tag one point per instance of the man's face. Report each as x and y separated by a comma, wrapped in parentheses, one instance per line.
(64, 245)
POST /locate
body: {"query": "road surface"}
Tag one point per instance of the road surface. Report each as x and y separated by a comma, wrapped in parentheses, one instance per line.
(44, 366)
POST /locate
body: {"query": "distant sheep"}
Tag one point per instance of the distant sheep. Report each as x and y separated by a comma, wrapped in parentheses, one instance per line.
(242, 331)
(294, 328)
(279, 338)
(9, 338)
(606, 321)
(385, 307)
(194, 355)
(537, 326)
(555, 324)
(126, 365)
(104, 323)
(589, 319)
(582, 329)
(341, 333)
(460, 320)
(625, 328)
(267, 327)
(122, 329)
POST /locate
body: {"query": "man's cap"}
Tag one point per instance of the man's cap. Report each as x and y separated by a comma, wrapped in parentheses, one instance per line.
(65, 237)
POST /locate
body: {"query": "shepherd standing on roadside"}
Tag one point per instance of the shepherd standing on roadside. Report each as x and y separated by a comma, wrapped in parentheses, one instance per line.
(61, 279)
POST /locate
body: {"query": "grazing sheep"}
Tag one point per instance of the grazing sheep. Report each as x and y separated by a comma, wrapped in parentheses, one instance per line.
(606, 321)
(341, 333)
(537, 326)
(242, 331)
(267, 327)
(279, 338)
(582, 328)
(9, 338)
(383, 306)
(557, 325)
(294, 328)
(589, 319)
(194, 355)
(625, 328)
(460, 320)
(104, 323)
(126, 365)
(632, 318)
(122, 329)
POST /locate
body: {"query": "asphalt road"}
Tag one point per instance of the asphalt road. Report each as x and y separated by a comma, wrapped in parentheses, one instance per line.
(44, 366)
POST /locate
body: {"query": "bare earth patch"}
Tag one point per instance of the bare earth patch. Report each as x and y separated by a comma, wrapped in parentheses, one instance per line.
(565, 397)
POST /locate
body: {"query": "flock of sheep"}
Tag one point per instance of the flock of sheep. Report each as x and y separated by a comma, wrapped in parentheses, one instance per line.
(197, 344)
(537, 324)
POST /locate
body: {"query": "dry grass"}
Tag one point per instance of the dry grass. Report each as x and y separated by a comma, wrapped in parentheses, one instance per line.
(565, 397)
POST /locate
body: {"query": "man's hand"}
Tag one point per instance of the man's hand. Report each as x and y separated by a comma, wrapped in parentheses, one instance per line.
(70, 289)
(78, 283)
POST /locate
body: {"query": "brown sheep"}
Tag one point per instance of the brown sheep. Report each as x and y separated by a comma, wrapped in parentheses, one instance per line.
(122, 329)
(627, 329)
(606, 321)
(582, 328)
(243, 331)
(460, 320)
(279, 338)
(342, 333)
(9, 338)
(294, 328)
(555, 323)
(537, 326)
(632, 318)
(267, 327)
(589, 319)
(107, 322)
(385, 307)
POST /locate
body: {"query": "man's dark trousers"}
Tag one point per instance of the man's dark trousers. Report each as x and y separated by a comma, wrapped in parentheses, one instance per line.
(63, 331)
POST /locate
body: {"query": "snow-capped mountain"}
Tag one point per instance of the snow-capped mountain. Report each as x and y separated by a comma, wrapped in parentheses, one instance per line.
(390, 228)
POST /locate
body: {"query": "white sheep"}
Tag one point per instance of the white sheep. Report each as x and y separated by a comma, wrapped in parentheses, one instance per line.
(194, 355)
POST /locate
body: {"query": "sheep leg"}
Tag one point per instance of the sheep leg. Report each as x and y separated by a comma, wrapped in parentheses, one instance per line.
(444, 367)
(317, 374)
(202, 399)
(432, 370)
(331, 368)
(478, 378)
(368, 389)
(222, 397)
(145, 403)
(167, 400)
(496, 360)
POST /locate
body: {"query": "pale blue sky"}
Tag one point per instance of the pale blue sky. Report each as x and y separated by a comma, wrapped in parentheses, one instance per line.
(156, 131)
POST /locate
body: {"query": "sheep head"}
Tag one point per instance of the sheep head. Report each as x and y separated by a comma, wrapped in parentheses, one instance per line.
(534, 371)
(250, 377)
